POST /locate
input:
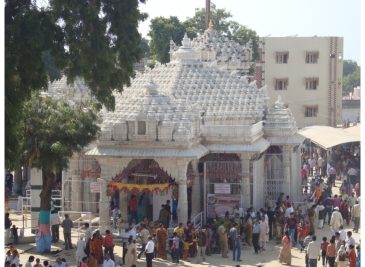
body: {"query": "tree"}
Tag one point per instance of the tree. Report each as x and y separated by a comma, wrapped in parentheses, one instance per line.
(351, 76)
(162, 31)
(219, 18)
(53, 131)
(349, 66)
(243, 35)
(145, 48)
(97, 40)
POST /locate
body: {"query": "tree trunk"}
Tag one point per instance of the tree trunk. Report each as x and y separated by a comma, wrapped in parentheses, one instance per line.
(45, 239)
(47, 184)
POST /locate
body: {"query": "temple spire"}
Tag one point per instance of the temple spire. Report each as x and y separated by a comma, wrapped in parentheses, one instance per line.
(207, 13)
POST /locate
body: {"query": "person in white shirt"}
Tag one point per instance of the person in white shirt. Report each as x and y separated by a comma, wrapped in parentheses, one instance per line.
(80, 249)
(30, 261)
(108, 262)
(342, 233)
(350, 240)
(313, 252)
(143, 234)
(58, 263)
(288, 211)
(150, 248)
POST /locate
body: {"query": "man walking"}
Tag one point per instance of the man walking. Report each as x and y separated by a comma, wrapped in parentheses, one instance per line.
(67, 225)
(236, 247)
(355, 212)
(256, 235)
(150, 248)
(55, 226)
(143, 234)
(313, 252)
(202, 244)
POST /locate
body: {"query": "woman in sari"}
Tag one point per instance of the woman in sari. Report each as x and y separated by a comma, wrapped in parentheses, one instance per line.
(285, 252)
(131, 255)
(96, 246)
(161, 235)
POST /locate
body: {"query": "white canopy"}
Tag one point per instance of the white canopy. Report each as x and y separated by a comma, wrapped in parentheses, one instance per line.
(328, 137)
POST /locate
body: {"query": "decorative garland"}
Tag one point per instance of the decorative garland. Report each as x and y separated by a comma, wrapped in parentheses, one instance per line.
(139, 188)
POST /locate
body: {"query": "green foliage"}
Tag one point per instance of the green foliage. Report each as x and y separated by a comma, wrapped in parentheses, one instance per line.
(162, 31)
(351, 81)
(144, 45)
(351, 76)
(243, 35)
(219, 17)
(53, 130)
(349, 66)
(96, 40)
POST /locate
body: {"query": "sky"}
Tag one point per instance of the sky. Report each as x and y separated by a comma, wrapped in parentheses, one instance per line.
(276, 18)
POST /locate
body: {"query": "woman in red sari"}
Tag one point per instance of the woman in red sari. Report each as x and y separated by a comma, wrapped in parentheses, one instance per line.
(161, 235)
(285, 251)
(96, 246)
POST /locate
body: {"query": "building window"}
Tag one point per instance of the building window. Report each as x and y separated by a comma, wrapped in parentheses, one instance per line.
(282, 57)
(312, 57)
(311, 83)
(281, 84)
(141, 128)
(311, 111)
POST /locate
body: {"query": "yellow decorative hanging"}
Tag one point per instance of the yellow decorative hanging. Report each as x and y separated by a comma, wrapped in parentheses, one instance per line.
(139, 188)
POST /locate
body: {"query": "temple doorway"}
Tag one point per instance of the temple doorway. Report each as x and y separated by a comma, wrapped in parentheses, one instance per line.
(223, 186)
(147, 184)
(274, 182)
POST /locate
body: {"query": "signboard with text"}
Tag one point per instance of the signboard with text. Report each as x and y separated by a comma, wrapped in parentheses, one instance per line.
(220, 188)
(95, 187)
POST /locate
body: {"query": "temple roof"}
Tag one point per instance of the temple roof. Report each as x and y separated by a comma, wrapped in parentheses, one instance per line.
(75, 92)
(280, 122)
(185, 88)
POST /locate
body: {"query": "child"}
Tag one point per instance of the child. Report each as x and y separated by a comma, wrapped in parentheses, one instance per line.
(186, 246)
(14, 234)
(324, 246)
(302, 233)
(37, 263)
(175, 248)
(84, 262)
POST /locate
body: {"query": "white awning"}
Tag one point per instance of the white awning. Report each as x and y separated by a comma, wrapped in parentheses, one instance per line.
(328, 137)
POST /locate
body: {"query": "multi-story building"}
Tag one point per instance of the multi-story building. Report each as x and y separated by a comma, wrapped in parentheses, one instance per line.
(307, 73)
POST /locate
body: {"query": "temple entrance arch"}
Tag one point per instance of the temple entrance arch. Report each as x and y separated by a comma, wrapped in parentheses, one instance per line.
(148, 182)
(274, 174)
(223, 183)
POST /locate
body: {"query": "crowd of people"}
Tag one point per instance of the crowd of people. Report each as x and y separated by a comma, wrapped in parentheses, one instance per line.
(289, 224)
(12, 259)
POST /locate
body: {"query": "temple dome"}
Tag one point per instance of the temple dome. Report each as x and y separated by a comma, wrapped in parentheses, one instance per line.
(279, 120)
(185, 54)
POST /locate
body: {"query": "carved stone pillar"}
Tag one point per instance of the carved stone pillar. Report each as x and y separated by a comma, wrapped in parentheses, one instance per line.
(182, 207)
(74, 173)
(196, 192)
(287, 172)
(245, 183)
